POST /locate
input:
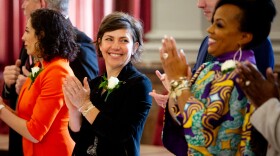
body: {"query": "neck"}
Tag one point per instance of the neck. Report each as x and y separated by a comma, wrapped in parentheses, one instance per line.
(113, 72)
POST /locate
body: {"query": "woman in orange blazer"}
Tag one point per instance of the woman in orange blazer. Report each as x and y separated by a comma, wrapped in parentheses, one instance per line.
(42, 116)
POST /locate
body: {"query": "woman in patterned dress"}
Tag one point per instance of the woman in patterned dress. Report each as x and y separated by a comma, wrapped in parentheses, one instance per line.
(207, 113)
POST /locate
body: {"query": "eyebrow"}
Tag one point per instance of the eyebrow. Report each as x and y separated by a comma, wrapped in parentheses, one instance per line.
(114, 37)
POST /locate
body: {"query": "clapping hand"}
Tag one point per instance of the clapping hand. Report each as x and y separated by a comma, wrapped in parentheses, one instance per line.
(21, 79)
(161, 99)
(255, 86)
(11, 73)
(76, 95)
(174, 63)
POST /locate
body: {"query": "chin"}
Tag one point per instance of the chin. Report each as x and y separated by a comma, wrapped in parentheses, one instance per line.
(211, 53)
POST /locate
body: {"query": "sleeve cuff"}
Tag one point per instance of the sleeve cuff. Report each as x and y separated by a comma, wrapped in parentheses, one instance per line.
(6, 90)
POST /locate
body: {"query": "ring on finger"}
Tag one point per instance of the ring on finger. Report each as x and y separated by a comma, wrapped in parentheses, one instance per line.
(247, 83)
(165, 56)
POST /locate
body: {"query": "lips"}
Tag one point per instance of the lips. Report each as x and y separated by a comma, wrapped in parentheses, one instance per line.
(206, 12)
(211, 41)
(114, 54)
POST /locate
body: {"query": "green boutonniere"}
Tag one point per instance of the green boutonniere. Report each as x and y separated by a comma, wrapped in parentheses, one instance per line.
(110, 85)
(35, 71)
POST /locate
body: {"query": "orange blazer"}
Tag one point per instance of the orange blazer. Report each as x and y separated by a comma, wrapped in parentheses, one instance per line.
(43, 106)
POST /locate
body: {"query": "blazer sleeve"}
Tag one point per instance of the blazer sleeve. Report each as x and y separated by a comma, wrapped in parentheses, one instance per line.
(266, 120)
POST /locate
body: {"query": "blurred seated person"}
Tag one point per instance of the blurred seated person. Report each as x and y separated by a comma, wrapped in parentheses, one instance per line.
(264, 95)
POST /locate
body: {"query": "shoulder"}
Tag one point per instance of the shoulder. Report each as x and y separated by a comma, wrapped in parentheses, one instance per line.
(82, 37)
(87, 49)
(138, 84)
(132, 75)
(205, 40)
(57, 67)
(265, 45)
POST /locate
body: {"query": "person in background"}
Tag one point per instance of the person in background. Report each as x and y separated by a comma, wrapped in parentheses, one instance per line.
(85, 65)
(208, 114)
(107, 115)
(42, 116)
(264, 94)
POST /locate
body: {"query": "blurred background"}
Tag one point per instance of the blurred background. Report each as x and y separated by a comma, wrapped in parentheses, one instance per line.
(178, 18)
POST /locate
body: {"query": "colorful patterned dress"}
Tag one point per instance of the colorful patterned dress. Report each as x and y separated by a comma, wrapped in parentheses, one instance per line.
(216, 118)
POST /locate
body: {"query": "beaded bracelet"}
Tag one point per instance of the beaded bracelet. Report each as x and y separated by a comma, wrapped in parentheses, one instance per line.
(2, 106)
(177, 86)
(87, 110)
(89, 106)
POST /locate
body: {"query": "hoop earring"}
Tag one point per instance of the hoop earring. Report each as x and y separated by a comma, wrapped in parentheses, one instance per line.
(239, 51)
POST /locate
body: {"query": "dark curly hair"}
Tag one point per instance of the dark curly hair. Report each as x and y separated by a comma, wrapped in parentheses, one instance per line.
(56, 35)
(256, 18)
(120, 20)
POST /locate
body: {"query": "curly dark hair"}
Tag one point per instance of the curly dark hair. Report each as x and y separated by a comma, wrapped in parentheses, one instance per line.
(56, 35)
(256, 18)
(120, 20)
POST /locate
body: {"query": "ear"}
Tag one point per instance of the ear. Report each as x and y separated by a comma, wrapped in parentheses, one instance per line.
(41, 35)
(135, 47)
(246, 38)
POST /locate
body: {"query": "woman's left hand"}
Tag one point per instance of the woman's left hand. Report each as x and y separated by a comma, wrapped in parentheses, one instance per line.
(256, 87)
(75, 92)
(174, 63)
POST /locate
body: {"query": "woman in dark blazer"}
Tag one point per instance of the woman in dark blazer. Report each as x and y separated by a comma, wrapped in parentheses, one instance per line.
(107, 115)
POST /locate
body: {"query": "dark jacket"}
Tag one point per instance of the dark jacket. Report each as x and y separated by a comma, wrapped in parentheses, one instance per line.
(118, 128)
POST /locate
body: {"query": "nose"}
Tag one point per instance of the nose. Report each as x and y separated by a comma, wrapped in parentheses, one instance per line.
(22, 38)
(116, 45)
(23, 5)
(200, 4)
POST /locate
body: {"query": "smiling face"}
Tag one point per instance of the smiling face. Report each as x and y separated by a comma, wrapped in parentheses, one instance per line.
(208, 7)
(117, 47)
(224, 33)
(30, 39)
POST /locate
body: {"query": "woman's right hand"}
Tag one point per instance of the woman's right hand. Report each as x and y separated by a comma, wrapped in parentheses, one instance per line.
(75, 93)
(164, 80)
(174, 63)
(160, 99)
